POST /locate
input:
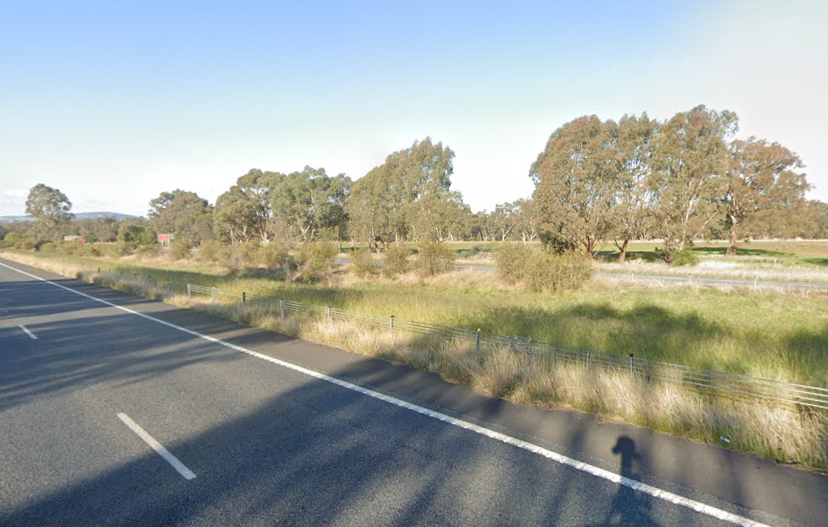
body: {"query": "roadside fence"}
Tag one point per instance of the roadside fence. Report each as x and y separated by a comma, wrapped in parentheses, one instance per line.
(705, 381)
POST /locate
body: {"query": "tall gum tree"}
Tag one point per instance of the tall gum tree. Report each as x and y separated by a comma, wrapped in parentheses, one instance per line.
(690, 157)
(51, 210)
(634, 192)
(408, 196)
(763, 184)
(574, 184)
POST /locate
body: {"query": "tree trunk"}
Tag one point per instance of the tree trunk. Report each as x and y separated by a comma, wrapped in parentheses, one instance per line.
(622, 256)
(731, 248)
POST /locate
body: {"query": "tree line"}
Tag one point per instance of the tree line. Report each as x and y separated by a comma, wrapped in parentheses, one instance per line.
(596, 181)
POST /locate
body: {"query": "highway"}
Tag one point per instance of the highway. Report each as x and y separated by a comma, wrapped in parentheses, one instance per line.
(116, 410)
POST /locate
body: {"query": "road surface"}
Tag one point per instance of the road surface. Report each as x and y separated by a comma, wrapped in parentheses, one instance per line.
(116, 410)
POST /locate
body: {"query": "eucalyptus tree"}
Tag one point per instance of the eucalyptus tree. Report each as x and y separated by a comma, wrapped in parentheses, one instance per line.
(51, 210)
(404, 197)
(763, 185)
(634, 189)
(310, 204)
(184, 214)
(690, 160)
(244, 212)
(574, 184)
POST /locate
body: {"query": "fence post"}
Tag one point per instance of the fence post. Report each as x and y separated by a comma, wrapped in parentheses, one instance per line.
(167, 285)
(392, 324)
(477, 341)
(632, 359)
(99, 270)
(282, 310)
(330, 318)
(244, 298)
(213, 294)
(589, 355)
(189, 290)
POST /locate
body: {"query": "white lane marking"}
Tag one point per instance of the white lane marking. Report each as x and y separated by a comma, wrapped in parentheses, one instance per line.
(27, 332)
(158, 447)
(524, 445)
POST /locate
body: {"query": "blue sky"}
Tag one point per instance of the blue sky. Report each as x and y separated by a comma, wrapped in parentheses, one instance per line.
(113, 102)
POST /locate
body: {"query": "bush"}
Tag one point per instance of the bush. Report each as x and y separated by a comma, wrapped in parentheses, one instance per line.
(682, 258)
(275, 255)
(511, 260)
(27, 244)
(180, 250)
(316, 261)
(542, 271)
(47, 248)
(213, 251)
(396, 260)
(11, 240)
(434, 258)
(363, 264)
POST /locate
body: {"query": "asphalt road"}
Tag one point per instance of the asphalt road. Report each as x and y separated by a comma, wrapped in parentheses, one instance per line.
(269, 441)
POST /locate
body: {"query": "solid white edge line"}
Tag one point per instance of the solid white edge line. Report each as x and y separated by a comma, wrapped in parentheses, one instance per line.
(27, 332)
(158, 447)
(497, 436)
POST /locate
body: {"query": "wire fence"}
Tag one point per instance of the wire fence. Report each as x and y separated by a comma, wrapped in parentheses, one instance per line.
(710, 382)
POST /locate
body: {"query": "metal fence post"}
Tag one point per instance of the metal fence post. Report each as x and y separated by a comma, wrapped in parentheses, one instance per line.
(282, 310)
(392, 324)
(589, 356)
(244, 298)
(330, 319)
(213, 294)
(477, 341)
(189, 290)
(632, 359)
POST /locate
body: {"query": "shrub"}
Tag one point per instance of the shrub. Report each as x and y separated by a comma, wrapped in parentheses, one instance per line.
(363, 264)
(434, 258)
(213, 251)
(682, 258)
(511, 260)
(316, 261)
(48, 248)
(547, 271)
(396, 260)
(180, 250)
(27, 244)
(11, 239)
(275, 255)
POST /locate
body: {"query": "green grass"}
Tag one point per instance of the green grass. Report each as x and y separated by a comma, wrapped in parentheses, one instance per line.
(771, 335)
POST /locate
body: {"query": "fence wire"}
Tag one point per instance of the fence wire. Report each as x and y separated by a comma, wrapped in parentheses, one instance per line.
(706, 381)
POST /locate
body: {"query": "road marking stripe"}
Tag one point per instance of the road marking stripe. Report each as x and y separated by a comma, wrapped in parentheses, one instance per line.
(158, 447)
(29, 333)
(524, 445)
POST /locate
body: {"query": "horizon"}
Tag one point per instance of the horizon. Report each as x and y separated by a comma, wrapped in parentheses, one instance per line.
(151, 98)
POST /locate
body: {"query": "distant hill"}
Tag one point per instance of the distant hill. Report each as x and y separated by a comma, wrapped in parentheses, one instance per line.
(78, 216)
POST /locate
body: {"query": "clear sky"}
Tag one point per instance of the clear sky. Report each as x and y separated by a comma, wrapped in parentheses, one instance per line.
(113, 102)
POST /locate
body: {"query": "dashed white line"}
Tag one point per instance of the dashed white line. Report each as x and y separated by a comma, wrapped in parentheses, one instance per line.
(27, 332)
(158, 447)
(639, 486)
